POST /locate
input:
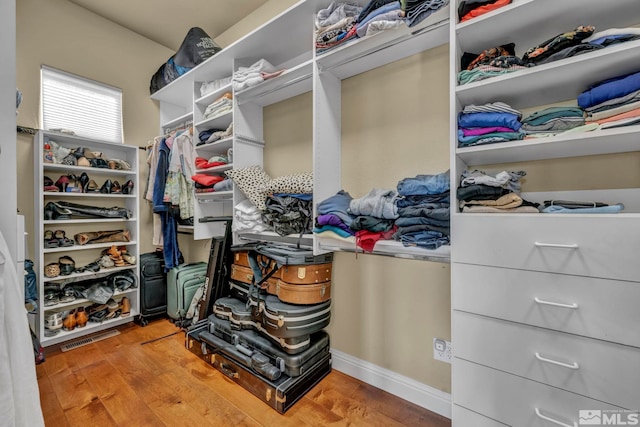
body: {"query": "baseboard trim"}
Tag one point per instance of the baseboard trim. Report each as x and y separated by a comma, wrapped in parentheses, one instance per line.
(404, 387)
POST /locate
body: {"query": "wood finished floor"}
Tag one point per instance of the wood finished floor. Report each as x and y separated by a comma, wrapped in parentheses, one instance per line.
(119, 382)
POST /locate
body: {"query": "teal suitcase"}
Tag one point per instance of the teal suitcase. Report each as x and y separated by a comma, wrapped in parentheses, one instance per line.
(182, 283)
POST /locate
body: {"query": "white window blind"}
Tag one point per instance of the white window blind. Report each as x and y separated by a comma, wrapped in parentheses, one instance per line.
(86, 107)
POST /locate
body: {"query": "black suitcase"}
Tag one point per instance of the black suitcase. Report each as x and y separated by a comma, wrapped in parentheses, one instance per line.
(280, 394)
(235, 311)
(259, 353)
(283, 320)
(153, 287)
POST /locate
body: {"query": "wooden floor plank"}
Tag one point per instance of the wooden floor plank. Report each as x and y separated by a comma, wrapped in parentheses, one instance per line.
(145, 376)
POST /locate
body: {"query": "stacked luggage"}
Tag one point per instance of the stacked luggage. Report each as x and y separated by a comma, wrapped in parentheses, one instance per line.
(267, 335)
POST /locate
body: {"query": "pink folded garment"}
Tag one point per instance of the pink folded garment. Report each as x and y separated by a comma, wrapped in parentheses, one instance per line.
(206, 180)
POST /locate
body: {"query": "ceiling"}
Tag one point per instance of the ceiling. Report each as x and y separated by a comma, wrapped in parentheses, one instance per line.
(167, 21)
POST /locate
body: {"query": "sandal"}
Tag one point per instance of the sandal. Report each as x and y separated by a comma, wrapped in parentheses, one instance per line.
(67, 265)
(49, 240)
(63, 240)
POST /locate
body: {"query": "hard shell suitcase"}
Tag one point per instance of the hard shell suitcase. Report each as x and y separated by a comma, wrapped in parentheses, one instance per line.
(306, 274)
(245, 275)
(291, 255)
(182, 283)
(313, 293)
(283, 320)
(279, 394)
(153, 286)
(235, 311)
(251, 345)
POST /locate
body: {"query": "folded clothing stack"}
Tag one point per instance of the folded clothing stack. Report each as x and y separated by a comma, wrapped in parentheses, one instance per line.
(255, 74)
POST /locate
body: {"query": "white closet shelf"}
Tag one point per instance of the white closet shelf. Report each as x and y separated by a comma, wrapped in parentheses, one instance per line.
(270, 236)
(207, 99)
(506, 25)
(294, 81)
(214, 195)
(88, 246)
(216, 169)
(86, 220)
(217, 122)
(91, 327)
(388, 248)
(88, 275)
(99, 195)
(367, 53)
(178, 120)
(82, 301)
(187, 229)
(556, 81)
(283, 37)
(217, 147)
(619, 140)
(54, 167)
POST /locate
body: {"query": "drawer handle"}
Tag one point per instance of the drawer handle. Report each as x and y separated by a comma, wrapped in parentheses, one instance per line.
(574, 365)
(560, 423)
(555, 304)
(556, 245)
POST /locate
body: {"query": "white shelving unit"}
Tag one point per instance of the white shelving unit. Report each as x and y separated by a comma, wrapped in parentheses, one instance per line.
(539, 316)
(83, 254)
(305, 72)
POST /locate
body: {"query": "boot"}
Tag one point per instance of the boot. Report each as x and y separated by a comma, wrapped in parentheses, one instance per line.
(81, 317)
(103, 236)
(94, 211)
(69, 323)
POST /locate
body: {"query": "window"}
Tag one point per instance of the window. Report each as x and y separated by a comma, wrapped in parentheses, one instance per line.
(88, 108)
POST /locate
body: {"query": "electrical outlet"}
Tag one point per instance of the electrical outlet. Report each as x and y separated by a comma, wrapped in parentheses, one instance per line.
(442, 350)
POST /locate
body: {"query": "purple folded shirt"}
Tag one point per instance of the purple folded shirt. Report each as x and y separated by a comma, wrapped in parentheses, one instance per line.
(331, 219)
(483, 131)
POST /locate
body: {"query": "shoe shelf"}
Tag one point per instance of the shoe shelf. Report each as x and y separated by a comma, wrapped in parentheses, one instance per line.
(53, 167)
(83, 301)
(124, 156)
(90, 328)
(89, 274)
(88, 246)
(86, 220)
(100, 195)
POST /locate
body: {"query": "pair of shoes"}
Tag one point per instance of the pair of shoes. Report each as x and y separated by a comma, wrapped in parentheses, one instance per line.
(51, 297)
(53, 210)
(61, 237)
(119, 164)
(111, 187)
(48, 185)
(53, 321)
(49, 240)
(68, 294)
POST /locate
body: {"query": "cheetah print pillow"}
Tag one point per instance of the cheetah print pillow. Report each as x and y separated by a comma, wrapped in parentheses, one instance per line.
(297, 183)
(251, 181)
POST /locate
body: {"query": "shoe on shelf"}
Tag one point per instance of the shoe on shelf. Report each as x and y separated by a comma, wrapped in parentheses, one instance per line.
(68, 294)
(126, 307)
(106, 262)
(67, 265)
(116, 188)
(52, 270)
(127, 188)
(106, 187)
(49, 240)
(51, 297)
(62, 183)
(81, 317)
(92, 187)
(63, 240)
(53, 321)
(84, 181)
(69, 323)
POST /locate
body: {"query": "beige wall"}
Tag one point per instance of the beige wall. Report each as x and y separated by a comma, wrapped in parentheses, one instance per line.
(65, 36)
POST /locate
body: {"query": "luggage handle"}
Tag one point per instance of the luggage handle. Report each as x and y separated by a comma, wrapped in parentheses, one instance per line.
(228, 371)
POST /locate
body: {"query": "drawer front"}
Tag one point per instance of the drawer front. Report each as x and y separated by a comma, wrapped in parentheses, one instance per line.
(594, 246)
(461, 417)
(516, 401)
(603, 306)
(598, 369)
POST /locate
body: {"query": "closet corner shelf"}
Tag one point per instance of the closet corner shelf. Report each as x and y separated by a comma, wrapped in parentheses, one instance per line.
(294, 81)
(389, 248)
(221, 122)
(367, 53)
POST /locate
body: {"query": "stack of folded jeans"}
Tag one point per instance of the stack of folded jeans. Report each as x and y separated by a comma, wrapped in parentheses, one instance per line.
(424, 211)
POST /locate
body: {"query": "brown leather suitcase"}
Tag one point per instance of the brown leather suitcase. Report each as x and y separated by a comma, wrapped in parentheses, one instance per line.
(312, 293)
(241, 258)
(306, 274)
(245, 275)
